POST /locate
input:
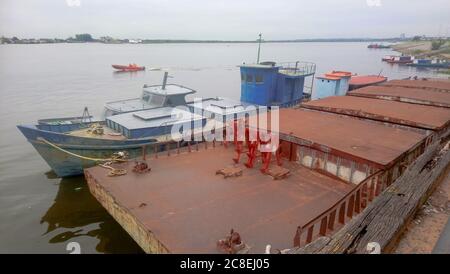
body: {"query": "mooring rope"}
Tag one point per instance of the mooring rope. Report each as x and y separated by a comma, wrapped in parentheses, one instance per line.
(80, 156)
(114, 171)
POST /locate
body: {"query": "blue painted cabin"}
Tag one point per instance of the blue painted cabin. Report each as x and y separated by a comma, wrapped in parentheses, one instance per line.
(269, 84)
(335, 83)
(325, 86)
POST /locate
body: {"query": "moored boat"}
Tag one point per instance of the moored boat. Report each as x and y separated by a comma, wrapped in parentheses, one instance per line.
(401, 60)
(70, 144)
(378, 46)
(430, 63)
(388, 57)
(130, 67)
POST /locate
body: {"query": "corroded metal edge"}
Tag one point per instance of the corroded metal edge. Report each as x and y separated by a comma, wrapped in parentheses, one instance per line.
(345, 240)
(143, 237)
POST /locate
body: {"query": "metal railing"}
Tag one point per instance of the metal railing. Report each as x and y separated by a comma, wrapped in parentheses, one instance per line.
(167, 148)
(351, 204)
(297, 68)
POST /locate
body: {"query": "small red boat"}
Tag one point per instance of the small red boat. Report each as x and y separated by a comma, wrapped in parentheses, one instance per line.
(130, 67)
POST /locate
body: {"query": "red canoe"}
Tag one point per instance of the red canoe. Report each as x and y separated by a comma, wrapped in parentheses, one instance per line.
(131, 67)
(366, 80)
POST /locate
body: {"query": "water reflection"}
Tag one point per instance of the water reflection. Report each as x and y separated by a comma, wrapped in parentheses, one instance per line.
(75, 213)
(127, 74)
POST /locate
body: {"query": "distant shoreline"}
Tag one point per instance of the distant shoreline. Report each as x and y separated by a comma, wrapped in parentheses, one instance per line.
(187, 41)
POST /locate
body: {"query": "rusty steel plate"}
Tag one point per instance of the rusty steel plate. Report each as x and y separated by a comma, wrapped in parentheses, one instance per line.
(368, 140)
(407, 95)
(437, 84)
(426, 117)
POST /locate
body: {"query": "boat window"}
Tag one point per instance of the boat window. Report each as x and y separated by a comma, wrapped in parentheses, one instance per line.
(259, 79)
(242, 76)
(249, 78)
(157, 100)
(145, 96)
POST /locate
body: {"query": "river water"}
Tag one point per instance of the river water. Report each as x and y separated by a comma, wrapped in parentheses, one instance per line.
(40, 213)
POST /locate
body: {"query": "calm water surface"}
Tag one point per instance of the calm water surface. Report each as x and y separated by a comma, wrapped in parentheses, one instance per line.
(40, 213)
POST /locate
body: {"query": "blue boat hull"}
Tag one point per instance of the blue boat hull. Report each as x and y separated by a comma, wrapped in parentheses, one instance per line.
(64, 164)
(443, 65)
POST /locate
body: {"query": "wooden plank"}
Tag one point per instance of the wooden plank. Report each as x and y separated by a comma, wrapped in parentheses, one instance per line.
(384, 220)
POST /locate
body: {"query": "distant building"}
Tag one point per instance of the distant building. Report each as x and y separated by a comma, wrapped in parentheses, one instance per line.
(135, 41)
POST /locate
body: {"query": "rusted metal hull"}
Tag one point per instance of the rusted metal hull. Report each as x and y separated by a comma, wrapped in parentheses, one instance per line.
(182, 206)
(405, 95)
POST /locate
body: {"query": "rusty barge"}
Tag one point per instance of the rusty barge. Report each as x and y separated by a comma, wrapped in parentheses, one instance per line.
(336, 156)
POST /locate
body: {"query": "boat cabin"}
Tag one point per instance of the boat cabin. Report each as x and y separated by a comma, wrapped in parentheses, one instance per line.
(335, 83)
(156, 96)
(272, 84)
(154, 122)
(222, 109)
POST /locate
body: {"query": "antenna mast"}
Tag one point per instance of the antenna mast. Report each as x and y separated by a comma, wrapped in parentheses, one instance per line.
(259, 47)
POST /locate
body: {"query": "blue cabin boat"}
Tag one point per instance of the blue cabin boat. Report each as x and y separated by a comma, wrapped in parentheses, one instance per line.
(430, 63)
(272, 84)
(152, 97)
(69, 145)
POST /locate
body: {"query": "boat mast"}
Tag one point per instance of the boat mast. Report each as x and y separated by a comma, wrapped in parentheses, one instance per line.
(166, 74)
(259, 47)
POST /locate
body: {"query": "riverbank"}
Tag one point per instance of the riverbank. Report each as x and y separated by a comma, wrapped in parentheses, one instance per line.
(430, 221)
(423, 49)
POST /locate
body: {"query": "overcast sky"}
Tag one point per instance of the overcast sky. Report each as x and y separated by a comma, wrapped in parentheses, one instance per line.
(224, 19)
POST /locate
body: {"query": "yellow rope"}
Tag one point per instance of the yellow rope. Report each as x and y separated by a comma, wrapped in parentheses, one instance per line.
(80, 156)
(114, 171)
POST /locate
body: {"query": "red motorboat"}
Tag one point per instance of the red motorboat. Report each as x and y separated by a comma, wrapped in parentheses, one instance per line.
(130, 67)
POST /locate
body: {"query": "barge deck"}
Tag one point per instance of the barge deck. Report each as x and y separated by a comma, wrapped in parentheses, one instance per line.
(406, 95)
(430, 118)
(182, 206)
(433, 84)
